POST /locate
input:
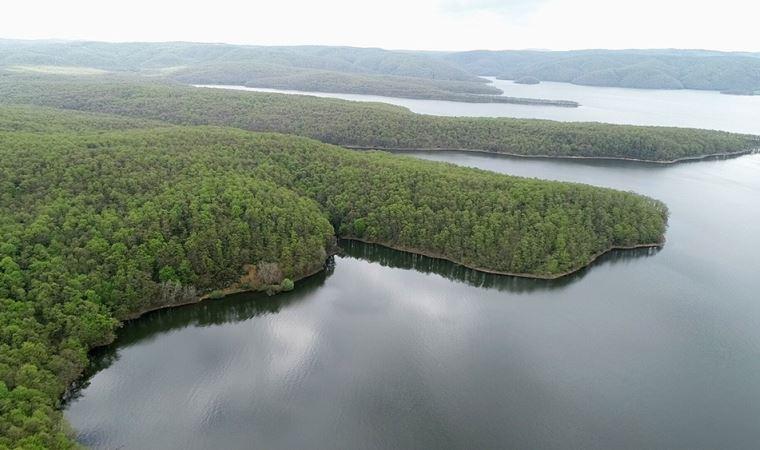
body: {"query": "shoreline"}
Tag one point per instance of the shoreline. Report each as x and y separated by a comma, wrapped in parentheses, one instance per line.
(207, 296)
(71, 385)
(137, 315)
(593, 259)
(559, 157)
(233, 290)
(457, 97)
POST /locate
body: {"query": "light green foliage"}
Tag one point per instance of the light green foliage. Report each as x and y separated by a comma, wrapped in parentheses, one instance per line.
(287, 285)
(97, 225)
(367, 124)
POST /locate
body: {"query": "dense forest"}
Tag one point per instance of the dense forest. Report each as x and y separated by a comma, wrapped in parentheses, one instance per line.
(264, 74)
(102, 217)
(367, 125)
(314, 68)
(141, 56)
(327, 81)
(645, 69)
(527, 80)
(413, 74)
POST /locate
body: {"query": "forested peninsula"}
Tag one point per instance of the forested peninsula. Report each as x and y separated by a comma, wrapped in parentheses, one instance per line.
(412, 74)
(454, 76)
(370, 71)
(385, 85)
(367, 125)
(102, 217)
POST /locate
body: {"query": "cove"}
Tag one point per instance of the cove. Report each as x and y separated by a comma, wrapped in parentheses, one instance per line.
(646, 348)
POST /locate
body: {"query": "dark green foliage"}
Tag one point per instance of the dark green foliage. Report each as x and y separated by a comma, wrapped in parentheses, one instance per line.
(477, 218)
(98, 225)
(370, 125)
(91, 230)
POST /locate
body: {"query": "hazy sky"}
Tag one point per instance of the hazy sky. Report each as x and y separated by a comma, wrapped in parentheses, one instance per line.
(397, 24)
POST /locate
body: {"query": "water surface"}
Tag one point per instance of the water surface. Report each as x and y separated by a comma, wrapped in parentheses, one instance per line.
(681, 108)
(644, 349)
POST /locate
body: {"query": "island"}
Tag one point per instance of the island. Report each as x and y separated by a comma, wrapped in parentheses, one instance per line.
(527, 80)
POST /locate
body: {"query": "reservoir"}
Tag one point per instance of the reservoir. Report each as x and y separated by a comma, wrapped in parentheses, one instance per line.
(678, 108)
(384, 349)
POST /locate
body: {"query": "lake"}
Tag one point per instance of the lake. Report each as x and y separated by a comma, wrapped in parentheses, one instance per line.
(644, 349)
(681, 108)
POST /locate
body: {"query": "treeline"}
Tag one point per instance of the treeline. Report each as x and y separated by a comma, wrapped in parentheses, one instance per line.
(644, 69)
(280, 77)
(325, 69)
(273, 76)
(160, 56)
(296, 65)
(322, 69)
(371, 125)
(114, 218)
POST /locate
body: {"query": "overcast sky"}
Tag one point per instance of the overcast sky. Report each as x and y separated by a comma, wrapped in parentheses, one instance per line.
(397, 24)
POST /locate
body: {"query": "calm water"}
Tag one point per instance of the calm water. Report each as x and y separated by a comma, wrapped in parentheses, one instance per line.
(682, 108)
(645, 349)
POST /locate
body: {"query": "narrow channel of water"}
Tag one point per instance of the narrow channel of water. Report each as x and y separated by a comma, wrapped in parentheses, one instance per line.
(680, 108)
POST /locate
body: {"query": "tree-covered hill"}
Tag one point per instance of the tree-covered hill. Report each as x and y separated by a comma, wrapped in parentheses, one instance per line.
(47, 120)
(327, 69)
(646, 69)
(370, 125)
(103, 217)
(412, 74)
(280, 77)
(264, 74)
(138, 56)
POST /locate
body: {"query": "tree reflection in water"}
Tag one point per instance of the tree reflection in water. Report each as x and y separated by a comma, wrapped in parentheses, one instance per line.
(244, 306)
(397, 259)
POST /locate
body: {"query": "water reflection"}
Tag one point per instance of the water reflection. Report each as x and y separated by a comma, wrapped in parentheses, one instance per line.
(479, 159)
(245, 306)
(230, 309)
(400, 351)
(387, 257)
